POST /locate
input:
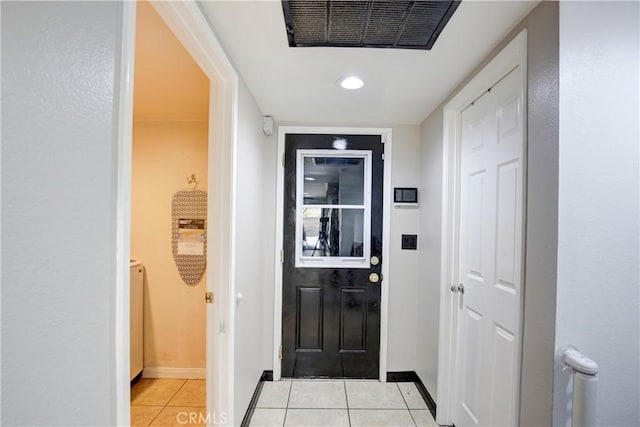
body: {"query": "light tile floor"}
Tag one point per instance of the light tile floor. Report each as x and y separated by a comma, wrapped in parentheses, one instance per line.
(340, 403)
(168, 402)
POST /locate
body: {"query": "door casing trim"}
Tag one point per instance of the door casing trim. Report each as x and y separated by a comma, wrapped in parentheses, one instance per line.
(189, 25)
(512, 56)
(386, 135)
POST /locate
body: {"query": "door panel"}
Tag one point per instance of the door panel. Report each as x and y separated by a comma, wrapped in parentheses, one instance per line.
(353, 320)
(502, 376)
(309, 310)
(506, 230)
(490, 256)
(471, 365)
(475, 231)
(332, 226)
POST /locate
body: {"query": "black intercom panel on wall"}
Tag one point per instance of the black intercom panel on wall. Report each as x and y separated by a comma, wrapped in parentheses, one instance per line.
(405, 195)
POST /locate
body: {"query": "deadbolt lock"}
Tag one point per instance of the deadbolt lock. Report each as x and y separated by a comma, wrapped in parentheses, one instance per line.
(375, 260)
(374, 278)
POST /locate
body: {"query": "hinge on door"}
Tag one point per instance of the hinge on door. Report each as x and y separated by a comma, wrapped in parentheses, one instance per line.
(281, 256)
(280, 351)
(382, 156)
(208, 297)
(383, 138)
(283, 156)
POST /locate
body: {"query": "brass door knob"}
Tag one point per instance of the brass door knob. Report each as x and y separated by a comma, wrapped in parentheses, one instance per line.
(374, 278)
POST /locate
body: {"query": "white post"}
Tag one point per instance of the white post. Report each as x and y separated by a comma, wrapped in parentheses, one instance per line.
(585, 387)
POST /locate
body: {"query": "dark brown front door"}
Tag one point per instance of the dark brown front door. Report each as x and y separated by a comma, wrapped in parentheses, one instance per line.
(333, 198)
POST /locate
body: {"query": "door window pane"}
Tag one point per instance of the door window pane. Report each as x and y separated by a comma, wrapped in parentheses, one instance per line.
(333, 202)
(333, 232)
(333, 181)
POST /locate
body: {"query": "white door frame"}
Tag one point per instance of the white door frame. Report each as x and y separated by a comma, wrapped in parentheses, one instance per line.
(386, 135)
(188, 24)
(512, 56)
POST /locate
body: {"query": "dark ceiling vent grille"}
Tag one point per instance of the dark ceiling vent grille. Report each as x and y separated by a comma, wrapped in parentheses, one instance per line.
(373, 23)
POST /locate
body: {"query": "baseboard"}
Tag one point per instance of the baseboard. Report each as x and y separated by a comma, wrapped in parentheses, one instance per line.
(412, 377)
(266, 376)
(402, 377)
(188, 373)
(136, 378)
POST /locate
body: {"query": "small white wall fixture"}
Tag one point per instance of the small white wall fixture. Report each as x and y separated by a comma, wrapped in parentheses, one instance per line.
(386, 135)
(188, 24)
(512, 56)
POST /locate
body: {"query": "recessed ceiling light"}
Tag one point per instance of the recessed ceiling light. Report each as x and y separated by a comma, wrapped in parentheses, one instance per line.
(351, 82)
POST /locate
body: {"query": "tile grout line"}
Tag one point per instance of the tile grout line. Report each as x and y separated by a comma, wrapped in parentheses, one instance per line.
(165, 405)
(354, 409)
(406, 404)
(346, 396)
(176, 393)
(290, 393)
(142, 406)
(286, 409)
(157, 415)
(348, 408)
(170, 399)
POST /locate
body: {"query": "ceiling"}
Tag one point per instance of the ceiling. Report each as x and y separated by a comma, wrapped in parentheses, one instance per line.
(401, 86)
(168, 84)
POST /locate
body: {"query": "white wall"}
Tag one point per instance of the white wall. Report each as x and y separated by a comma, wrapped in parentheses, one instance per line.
(430, 244)
(598, 280)
(164, 154)
(251, 280)
(269, 159)
(255, 195)
(406, 309)
(59, 62)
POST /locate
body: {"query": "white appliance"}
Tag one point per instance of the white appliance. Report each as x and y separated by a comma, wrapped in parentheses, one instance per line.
(136, 314)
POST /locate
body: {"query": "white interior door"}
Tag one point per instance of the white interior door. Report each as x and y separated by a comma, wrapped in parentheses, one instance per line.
(488, 306)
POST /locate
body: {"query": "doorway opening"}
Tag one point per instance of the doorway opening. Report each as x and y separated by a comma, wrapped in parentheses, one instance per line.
(331, 272)
(168, 277)
(483, 240)
(188, 25)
